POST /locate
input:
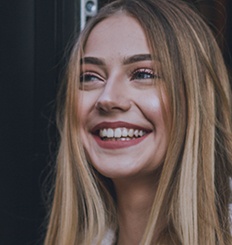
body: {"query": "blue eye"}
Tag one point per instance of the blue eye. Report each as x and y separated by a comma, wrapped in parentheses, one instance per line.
(144, 73)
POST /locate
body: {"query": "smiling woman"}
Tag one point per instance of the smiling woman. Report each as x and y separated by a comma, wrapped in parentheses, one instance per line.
(121, 73)
(145, 151)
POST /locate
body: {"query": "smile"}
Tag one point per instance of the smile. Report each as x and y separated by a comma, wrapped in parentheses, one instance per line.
(116, 135)
(120, 133)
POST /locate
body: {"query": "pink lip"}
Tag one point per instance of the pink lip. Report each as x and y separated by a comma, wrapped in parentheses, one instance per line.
(118, 124)
(117, 144)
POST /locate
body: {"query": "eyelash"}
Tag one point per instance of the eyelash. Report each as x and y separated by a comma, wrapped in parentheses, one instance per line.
(89, 77)
(147, 74)
(138, 74)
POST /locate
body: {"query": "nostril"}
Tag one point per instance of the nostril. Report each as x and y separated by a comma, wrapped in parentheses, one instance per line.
(103, 106)
(111, 106)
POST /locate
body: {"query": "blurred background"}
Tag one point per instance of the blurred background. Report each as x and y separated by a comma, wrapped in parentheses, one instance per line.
(34, 40)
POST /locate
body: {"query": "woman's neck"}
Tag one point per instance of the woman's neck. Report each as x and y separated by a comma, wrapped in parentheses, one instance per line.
(134, 200)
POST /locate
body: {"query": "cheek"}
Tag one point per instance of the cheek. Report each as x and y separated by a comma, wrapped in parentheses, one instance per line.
(155, 108)
(86, 102)
(156, 105)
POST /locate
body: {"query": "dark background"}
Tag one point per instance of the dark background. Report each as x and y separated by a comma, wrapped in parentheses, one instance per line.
(34, 35)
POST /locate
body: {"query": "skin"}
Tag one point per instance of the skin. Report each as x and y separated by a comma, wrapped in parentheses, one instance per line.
(115, 88)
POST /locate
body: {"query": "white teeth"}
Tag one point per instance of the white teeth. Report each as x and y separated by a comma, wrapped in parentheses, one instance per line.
(131, 133)
(136, 133)
(141, 133)
(117, 133)
(110, 133)
(103, 133)
(122, 133)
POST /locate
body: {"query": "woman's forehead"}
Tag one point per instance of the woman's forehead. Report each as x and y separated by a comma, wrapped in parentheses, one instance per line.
(118, 33)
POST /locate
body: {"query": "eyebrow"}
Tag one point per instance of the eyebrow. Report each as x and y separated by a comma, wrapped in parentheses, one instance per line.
(136, 58)
(126, 61)
(92, 61)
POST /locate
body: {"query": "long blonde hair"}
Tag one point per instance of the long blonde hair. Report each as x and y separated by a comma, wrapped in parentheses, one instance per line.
(193, 190)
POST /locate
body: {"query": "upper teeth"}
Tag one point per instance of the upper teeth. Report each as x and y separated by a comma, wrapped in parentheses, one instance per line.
(121, 132)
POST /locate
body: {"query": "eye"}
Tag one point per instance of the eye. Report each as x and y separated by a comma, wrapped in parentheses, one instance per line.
(90, 80)
(89, 77)
(144, 73)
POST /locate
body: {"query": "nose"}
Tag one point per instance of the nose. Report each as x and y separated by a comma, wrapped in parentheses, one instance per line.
(113, 98)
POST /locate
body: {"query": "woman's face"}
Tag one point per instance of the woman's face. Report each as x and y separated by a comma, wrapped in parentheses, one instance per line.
(122, 125)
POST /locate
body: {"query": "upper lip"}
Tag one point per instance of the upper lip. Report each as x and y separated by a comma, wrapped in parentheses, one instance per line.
(118, 124)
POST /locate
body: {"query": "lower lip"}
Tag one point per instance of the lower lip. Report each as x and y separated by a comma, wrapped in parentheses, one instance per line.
(118, 144)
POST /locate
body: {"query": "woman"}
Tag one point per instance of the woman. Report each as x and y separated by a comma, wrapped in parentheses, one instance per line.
(145, 125)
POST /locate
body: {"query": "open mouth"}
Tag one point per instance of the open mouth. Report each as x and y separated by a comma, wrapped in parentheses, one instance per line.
(120, 134)
(116, 135)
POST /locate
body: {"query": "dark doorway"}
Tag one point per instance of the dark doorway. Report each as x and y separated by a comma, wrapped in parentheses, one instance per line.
(34, 35)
